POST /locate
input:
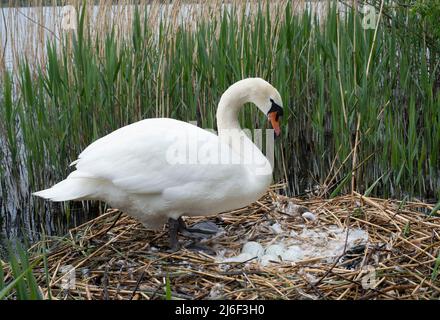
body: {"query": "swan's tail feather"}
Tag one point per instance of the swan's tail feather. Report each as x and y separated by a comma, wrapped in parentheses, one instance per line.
(69, 189)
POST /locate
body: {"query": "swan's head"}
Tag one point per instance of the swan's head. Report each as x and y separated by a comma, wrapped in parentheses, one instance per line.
(268, 100)
(254, 90)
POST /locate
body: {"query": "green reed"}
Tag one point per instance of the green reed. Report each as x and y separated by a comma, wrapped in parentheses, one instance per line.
(21, 284)
(340, 84)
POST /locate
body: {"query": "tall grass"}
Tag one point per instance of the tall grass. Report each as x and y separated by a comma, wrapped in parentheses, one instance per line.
(361, 105)
(19, 282)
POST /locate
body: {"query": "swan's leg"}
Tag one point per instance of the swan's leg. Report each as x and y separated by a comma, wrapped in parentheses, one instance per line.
(173, 228)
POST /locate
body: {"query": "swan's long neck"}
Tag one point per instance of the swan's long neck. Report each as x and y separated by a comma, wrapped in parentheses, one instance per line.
(228, 109)
(230, 132)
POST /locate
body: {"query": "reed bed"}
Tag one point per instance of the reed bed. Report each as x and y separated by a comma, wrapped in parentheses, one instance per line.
(362, 106)
(126, 62)
(115, 257)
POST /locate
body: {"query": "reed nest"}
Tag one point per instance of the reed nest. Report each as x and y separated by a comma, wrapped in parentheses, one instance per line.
(116, 257)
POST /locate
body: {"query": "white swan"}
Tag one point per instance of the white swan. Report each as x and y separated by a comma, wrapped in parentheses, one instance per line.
(160, 169)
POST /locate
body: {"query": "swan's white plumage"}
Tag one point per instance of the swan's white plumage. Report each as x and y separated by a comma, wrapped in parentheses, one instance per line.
(130, 170)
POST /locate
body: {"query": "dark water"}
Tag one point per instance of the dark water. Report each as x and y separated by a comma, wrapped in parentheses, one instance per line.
(26, 218)
(31, 218)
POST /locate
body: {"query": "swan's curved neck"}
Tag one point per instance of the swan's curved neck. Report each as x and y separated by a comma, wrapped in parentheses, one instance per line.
(229, 129)
(230, 104)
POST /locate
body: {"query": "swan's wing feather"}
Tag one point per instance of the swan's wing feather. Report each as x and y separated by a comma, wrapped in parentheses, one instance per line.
(134, 158)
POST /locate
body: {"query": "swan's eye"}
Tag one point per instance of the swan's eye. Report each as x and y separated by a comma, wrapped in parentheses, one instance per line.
(275, 108)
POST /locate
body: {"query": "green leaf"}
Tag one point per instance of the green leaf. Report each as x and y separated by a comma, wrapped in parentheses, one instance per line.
(167, 288)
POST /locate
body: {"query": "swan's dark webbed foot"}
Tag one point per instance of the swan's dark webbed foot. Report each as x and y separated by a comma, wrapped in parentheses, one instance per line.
(201, 230)
(197, 246)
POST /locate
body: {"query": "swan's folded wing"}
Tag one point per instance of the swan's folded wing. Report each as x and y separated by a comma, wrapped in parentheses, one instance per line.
(139, 158)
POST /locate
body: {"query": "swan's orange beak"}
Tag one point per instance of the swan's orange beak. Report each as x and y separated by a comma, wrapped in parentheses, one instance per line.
(275, 121)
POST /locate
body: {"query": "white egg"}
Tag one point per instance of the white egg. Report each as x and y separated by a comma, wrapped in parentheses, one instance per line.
(275, 250)
(276, 228)
(309, 216)
(267, 258)
(253, 248)
(293, 254)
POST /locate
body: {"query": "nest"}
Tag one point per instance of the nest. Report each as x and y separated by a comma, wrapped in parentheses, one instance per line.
(115, 257)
